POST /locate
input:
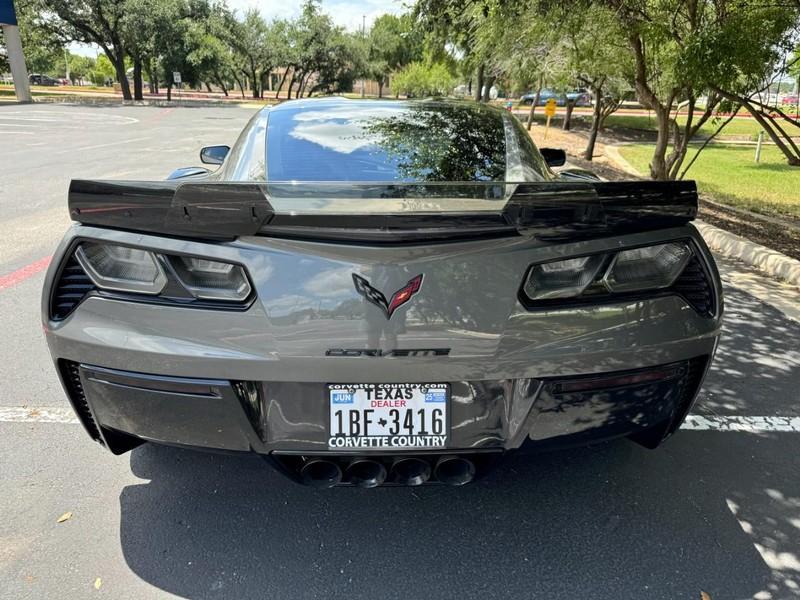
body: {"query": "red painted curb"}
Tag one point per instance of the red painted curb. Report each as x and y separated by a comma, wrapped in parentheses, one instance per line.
(15, 277)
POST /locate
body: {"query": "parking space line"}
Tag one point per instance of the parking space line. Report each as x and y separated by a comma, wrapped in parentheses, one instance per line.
(16, 414)
(745, 424)
(108, 145)
(21, 274)
(53, 414)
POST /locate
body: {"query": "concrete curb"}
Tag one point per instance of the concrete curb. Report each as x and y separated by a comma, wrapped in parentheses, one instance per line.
(771, 262)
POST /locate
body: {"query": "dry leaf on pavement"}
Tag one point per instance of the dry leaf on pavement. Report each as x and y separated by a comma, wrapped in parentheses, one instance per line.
(97, 583)
(65, 517)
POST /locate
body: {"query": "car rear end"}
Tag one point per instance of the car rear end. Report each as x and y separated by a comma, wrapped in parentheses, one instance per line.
(381, 333)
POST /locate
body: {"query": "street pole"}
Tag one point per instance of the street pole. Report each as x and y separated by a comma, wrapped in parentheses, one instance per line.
(66, 64)
(16, 61)
(758, 145)
(363, 35)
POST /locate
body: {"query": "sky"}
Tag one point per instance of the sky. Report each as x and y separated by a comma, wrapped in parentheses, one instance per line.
(347, 13)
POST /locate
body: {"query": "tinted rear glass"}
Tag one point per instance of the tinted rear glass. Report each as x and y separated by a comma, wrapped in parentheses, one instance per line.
(385, 141)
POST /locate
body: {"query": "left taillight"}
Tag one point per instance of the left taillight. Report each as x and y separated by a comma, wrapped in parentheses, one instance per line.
(122, 269)
(129, 273)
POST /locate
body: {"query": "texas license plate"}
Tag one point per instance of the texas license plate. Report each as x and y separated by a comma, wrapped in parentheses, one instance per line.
(388, 416)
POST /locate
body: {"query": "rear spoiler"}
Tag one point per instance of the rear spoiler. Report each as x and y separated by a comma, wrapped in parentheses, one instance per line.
(383, 212)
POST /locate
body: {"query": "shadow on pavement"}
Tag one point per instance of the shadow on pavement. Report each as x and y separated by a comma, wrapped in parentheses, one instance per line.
(756, 371)
(610, 521)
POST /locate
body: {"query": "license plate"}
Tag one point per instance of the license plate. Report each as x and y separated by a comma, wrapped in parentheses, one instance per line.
(388, 416)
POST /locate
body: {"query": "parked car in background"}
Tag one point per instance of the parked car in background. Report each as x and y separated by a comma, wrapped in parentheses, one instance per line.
(39, 79)
(581, 97)
(791, 99)
(544, 96)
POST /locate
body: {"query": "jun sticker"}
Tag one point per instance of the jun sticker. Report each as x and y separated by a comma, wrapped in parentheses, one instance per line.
(341, 397)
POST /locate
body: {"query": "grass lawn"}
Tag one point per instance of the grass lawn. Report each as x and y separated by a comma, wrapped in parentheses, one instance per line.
(741, 128)
(731, 176)
(744, 126)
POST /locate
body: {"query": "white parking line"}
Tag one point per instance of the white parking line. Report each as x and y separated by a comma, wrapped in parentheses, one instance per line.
(746, 424)
(53, 414)
(108, 145)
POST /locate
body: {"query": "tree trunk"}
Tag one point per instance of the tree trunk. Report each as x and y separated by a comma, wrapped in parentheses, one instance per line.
(241, 84)
(219, 81)
(117, 59)
(487, 89)
(597, 116)
(768, 124)
(568, 115)
(280, 85)
(479, 85)
(137, 78)
(302, 88)
(169, 92)
(291, 83)
(658, 166)
(534, 103)
(208, 87)
(153, 81)
(380, 87)
(254, 81)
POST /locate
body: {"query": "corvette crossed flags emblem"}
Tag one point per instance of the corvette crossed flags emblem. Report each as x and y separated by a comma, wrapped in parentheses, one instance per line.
(377, 298)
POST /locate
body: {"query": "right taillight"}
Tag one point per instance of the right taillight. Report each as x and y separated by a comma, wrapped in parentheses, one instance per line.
(647, 268)
(607, 274)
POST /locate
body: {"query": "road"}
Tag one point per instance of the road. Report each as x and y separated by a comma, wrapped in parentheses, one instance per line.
(713, 510)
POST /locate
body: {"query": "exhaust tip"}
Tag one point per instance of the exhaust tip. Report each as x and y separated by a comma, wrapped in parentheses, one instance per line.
(454, 470)
(320, 473)
(411, 471)
(365, 473)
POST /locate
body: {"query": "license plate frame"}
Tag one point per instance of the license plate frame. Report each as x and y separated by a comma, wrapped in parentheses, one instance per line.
(428, 397)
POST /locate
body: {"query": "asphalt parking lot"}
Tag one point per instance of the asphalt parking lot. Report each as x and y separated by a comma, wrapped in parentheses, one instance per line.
(717, 509)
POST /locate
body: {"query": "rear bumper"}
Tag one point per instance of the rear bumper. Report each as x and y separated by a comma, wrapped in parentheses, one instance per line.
(253, 380)
(120, 409)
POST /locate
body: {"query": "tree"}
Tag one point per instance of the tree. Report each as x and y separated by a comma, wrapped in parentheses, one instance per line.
(43, 48)
(80, 67)
(742, 72)
(684, 49)
(420, 79)
(393, 43)
(251, 43)
(210, 44)
(598, 59)
(93, 22)
(452, 26)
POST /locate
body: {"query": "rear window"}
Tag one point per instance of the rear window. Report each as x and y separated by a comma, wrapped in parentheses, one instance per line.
(386, 142)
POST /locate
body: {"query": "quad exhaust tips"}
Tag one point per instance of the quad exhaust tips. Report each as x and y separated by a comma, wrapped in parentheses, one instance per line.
(320, 473)
(323, 472)
(365, 473)
(411, 471)
(454, 470)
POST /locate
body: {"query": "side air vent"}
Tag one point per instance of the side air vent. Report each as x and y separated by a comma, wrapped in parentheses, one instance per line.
(694, 285)
(72, 286)
(70, 373)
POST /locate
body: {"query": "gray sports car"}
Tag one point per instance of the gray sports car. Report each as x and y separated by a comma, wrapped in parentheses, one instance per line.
(381, 292)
